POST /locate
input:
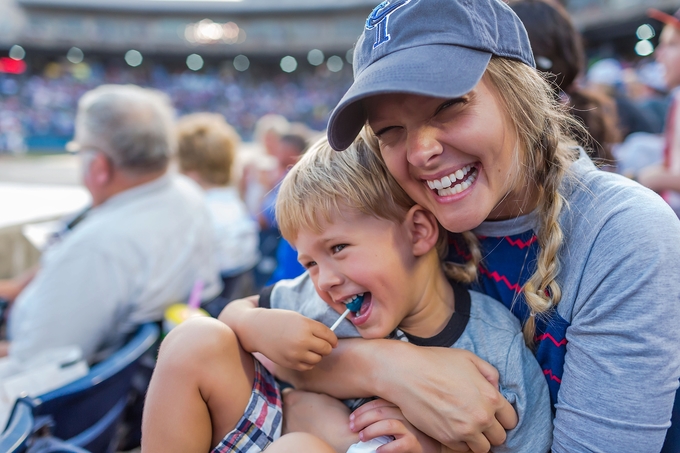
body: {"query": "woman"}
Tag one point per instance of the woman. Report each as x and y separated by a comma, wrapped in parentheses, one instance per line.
(584, 258)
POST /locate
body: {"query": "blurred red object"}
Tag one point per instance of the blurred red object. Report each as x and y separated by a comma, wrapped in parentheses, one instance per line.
(11, 66)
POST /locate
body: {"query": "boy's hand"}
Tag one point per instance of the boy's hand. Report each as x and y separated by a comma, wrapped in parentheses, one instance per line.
(290, 339)
(382, 418)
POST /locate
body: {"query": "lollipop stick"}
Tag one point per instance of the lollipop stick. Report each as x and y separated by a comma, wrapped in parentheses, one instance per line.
(337, 323)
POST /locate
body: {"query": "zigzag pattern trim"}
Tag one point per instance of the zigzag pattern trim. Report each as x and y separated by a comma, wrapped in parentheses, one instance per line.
(520, 243)
(501, 278)
(547, 335)
(552, 376)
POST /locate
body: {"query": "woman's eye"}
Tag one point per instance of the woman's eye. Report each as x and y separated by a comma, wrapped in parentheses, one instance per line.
(451, 102)
(338, 248)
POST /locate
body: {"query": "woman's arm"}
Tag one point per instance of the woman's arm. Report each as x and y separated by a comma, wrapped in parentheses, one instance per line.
(453, 397)
(622, 364)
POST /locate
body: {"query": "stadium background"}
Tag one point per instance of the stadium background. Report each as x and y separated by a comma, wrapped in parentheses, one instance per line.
(242, 58)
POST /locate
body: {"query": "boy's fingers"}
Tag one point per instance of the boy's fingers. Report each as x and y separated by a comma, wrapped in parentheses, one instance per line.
(388, 427)
(321, 347)
(375, 415)
(323, 332)
(378, 402)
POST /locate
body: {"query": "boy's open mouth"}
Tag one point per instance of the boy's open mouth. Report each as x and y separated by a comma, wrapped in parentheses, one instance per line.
(456, 182)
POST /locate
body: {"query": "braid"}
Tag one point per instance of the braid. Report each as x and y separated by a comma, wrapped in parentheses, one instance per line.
(467, 271)
(544, 128)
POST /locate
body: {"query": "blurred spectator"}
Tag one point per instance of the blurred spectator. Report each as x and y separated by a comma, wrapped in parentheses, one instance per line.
(666, 178)
(141, 247)
(206, 151)
(558, 52)
(607, 76)
(648, 89)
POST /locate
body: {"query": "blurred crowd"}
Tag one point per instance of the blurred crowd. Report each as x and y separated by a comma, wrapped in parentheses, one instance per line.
(37, 109)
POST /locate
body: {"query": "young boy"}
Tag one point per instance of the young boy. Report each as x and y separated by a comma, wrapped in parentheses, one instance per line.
(359, 236)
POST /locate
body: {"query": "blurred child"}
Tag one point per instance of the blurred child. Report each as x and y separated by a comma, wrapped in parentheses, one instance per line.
(360, 237)
(206, 150)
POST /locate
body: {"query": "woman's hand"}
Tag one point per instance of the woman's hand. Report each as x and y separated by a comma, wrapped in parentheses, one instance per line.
(449, 394)
(454, 398)
(382, 418)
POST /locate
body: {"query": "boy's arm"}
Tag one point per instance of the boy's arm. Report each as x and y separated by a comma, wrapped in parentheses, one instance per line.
(289, 339)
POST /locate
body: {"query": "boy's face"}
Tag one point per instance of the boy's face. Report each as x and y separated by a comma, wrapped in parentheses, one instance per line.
(359, 254)
(668, 54)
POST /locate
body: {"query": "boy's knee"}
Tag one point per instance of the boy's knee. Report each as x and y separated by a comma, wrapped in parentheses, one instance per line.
(196, 340)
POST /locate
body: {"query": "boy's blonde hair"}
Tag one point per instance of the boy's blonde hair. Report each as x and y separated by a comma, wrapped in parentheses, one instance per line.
(207, 145)
(324, 181)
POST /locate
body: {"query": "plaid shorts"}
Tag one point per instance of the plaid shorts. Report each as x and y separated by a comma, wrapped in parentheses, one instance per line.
(260, 424)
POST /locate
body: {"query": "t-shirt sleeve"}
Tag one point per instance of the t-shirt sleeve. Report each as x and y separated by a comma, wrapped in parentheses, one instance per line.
(265, 300)
(522, 383)
(622, 364)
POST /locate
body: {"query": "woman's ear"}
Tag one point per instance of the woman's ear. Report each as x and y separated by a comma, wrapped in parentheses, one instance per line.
(424, 229)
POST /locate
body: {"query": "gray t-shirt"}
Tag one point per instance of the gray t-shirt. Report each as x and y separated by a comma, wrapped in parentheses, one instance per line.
(479, 324)
(621, 299)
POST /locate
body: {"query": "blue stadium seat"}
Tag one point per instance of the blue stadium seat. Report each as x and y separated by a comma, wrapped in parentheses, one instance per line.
(18, 436)
(87, 412)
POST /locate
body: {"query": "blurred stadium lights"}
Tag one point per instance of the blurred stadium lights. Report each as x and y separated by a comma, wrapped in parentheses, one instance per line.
(349, 56)
(288, 64)
(133, 57)
(194, 62)
(75, 55)
(12, 66)
(315, 57)
(645, 31)
(16, 52)
(241, 63)
(334, 63)
(644, 48)
(208, 32)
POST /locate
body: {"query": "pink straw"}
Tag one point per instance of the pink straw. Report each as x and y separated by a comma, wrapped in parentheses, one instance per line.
(195, 297)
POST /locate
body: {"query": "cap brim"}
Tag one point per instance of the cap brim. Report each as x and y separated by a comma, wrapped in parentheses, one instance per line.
(663, 17)
(434, 70)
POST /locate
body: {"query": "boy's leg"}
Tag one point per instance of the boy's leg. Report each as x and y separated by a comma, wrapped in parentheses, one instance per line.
(299, 442)
(199, 389)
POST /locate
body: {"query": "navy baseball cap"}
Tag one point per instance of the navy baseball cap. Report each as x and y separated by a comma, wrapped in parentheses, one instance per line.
(437, 48)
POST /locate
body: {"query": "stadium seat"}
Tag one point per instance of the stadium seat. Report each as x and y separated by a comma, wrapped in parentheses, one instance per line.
(87, 412)
(19, 434)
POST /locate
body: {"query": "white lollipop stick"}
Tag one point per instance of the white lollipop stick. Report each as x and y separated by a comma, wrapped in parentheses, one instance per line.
(337, 323)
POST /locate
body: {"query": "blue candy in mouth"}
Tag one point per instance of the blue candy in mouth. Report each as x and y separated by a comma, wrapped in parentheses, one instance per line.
(355, 305)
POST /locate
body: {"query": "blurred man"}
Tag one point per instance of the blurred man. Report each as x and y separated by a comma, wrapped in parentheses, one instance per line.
(141, 247)
(666, 178)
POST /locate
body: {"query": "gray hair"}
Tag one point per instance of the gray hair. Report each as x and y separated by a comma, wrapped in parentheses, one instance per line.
(133, 126)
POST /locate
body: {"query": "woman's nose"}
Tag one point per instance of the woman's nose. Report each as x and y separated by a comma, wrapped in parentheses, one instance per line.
(423, 146)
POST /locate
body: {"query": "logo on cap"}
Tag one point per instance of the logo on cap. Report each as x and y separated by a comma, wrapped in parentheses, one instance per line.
(379, 17)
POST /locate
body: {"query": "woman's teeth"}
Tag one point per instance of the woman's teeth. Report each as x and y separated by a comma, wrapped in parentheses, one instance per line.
(456, 182)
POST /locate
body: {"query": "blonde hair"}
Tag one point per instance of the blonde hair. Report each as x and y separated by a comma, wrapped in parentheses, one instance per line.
(207, 145)
(544, 129)
(324, 181)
